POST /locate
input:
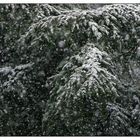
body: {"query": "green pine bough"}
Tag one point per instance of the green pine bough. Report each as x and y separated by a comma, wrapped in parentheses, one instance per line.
(70, 70)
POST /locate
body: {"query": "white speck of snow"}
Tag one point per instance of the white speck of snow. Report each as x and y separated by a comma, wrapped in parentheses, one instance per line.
(61, 44)
(138, 51)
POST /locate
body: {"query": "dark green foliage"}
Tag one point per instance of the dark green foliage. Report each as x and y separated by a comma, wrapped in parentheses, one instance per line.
(69, 70)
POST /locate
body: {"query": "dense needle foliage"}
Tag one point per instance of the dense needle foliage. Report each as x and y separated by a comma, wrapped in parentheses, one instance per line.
(69, 69)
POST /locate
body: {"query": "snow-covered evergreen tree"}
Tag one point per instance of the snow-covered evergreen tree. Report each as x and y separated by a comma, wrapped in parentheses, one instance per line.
(69, 69)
